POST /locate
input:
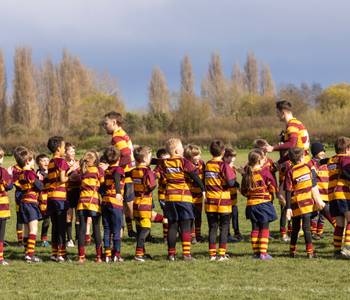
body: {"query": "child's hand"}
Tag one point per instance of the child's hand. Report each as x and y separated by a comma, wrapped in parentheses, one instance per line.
(104, 166)
(269, 148)
(40, 177)
(289, 214)
(240, 170)
(281, 200)
(119, 197)
(320, 204)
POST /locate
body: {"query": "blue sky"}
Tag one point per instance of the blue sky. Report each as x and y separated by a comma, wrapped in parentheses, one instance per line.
(302, 40)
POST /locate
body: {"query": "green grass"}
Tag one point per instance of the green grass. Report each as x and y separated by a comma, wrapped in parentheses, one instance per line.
(241, 277)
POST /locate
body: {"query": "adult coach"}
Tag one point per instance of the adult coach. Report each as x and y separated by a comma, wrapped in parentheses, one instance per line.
(112, 124)
(295, 135)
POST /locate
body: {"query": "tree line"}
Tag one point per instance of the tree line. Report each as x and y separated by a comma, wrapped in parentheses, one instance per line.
(68, 98)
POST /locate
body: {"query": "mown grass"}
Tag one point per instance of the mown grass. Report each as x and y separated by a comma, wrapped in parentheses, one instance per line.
(241, 277)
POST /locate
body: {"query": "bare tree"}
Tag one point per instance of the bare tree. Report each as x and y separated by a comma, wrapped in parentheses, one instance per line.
(267, 85)
(158, 92)
(70, 88)
(53, 101)
(3, 104)
(25, 105)
(251, 74)
(214, 87)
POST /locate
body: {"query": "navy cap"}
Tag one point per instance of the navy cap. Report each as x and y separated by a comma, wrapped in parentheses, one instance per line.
(316, 148)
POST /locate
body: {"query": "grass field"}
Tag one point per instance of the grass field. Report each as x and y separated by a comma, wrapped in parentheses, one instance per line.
(241, 277)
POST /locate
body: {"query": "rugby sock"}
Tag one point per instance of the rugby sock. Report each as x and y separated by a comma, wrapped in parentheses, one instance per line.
(44, 238)
(139, 251)
(165, 228)
(1, 250)
(292, 249)
(347, 236)
(87, 239)
(116, 248)
(31, 245)
(212, 250)
(19, 235)
(81, 252)
(62, 250)
(222, 249)
(158, 218)
(309, 248)
(108, 252)
(337, 238)
(171, 251)
(313, 225)
(25, 244)
(320, 228)
(254, 239)
(54, 249)
(186, 243)
(283, 231)
(263, 240)
(98, 251)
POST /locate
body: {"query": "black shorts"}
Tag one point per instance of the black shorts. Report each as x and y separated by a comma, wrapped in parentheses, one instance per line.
(88, 213)
(29, 212)
(129, 193)
(338, 208)
(73, 197)
(178, 211)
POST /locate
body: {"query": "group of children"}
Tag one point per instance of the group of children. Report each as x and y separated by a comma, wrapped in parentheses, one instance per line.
(63, 188)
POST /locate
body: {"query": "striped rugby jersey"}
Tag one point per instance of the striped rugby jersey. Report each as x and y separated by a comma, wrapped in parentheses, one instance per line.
(16, 170)
(322, 178)
(26, 180)
(177, 188)
(122, 142)
(5, 183)
(197, 194)
(91, 181)
(57, 190)
(339, 186)
(44, 192)
(144, 183)
(297, 129)
(73, 181)
(264, 187)
(299, 182)
(234, 190)
(161, 182)
(109, 198)
(218, 197)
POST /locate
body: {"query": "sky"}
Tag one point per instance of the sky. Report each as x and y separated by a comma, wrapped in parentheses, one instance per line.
(301, 40)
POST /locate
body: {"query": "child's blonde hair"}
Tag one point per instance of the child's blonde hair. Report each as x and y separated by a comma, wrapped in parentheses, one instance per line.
(89, 159)
(191, 151)
(171, 145)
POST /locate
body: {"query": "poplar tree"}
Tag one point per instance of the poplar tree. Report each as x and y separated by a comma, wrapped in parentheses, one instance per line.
(25, 105)
(158, 93)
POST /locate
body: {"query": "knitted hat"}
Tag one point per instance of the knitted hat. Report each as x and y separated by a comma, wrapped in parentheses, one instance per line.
(316, 148)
